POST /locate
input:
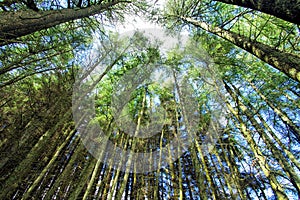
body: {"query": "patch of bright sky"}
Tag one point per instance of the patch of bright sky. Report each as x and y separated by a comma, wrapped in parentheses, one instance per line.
(154, 31)
(134, 22)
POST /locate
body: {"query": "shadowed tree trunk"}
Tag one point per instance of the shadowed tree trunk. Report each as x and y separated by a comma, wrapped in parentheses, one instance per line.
(288, 10)
(24, 22)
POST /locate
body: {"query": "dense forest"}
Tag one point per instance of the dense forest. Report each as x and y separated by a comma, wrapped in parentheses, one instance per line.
(90, 113)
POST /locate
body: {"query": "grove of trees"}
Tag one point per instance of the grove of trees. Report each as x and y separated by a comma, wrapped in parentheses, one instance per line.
(241, 85)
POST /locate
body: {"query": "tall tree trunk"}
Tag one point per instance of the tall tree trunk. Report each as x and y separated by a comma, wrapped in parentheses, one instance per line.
(133, 147)
(24, 22)
(258, 154)
(92, 178)
(157, 174)
(24, 139)
(175, 133)
(294, 178)
(283, 115)
(284, 62)
(174, 180)
(235, 173)
(98, 166)
(198, 174)
(67, 176)
(70, 134)
(220, 182)
(289, 154)
(232, 179)
(207, 172)
(113, 186)
(288, 10)
(106, 182)
(24, 168)
(83, 179)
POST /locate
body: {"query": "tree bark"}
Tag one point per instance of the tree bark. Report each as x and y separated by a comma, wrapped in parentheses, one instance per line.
(288, 10)
(284, 62)
(24, 22)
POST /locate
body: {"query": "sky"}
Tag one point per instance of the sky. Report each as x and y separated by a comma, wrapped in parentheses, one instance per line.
(135, 22)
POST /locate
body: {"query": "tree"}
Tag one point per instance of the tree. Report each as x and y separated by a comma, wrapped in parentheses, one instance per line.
(286, 10)
(285, 62)
(46, 51)
(23, 22)
(243, 127)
